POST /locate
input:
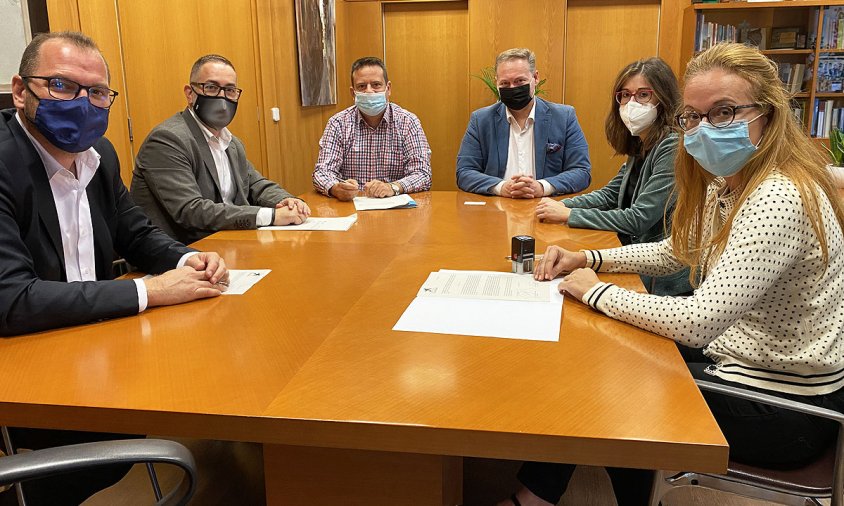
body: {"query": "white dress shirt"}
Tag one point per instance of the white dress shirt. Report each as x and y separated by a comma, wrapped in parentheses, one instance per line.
(218, 146)
(74, 213)
(521, 155)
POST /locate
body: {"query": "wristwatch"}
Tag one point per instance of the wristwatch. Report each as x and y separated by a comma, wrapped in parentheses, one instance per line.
(396, 188)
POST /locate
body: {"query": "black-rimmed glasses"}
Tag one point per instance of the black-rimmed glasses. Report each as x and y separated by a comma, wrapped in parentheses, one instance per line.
(214, 89)
(63, 88)
(719, 116)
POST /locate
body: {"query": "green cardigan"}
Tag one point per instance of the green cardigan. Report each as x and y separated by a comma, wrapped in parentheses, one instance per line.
(642, 221)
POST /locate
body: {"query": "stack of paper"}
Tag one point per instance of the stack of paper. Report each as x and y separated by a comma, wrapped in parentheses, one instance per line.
(372, 204)
(482, 303)
(313, 223)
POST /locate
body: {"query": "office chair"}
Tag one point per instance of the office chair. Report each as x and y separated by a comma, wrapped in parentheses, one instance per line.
(821, 479)
(21, 467)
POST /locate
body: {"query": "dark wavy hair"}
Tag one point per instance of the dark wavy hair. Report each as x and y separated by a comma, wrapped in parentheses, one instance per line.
(662, 80)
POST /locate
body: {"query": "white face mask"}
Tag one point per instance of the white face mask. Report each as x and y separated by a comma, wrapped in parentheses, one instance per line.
(637, 117)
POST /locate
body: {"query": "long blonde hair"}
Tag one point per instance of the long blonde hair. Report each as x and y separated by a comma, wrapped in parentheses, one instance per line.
(784, 147)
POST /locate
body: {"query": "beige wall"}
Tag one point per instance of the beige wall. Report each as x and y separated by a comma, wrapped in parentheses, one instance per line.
(580, 45)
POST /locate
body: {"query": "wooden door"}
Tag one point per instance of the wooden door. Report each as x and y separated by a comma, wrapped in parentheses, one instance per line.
(426, 49)
(602, 36)
(161, 39)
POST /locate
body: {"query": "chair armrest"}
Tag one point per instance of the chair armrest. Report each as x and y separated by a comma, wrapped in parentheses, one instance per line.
(64, 459)
(771, 400)
(800, 407)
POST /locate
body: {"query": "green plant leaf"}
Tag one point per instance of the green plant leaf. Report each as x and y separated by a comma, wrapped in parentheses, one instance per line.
(487, 76)
(836, 147)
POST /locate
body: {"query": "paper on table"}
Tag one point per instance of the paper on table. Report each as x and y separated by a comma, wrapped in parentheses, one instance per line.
(316, 223)
(534, 321)
(372, 204)
(483, 285)
(242, 280)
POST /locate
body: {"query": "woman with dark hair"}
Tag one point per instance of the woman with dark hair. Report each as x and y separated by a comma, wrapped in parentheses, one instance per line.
(633, 204)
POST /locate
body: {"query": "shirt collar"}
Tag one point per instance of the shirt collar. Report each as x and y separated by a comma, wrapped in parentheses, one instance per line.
(224, 139)
(531, 117)
(88, 159)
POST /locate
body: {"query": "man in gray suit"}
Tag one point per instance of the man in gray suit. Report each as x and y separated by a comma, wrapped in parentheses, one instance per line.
(191, 174)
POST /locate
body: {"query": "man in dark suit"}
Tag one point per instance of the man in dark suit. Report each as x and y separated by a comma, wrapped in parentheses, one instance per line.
(64, 212)
(191, 174)
(522, 146)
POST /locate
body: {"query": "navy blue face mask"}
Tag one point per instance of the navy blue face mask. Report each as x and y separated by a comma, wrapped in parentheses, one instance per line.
(70, 125)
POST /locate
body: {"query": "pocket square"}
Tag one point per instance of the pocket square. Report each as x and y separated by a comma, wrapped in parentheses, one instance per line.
(552, 147)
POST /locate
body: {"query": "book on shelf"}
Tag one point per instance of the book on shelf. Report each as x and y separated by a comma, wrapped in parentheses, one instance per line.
(792, 76)
(832, 32)
(799, 112)
(828, 115)
(708, 33)
(830, 78)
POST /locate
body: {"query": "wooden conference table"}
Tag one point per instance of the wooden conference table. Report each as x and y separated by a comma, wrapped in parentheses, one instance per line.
(349, 411)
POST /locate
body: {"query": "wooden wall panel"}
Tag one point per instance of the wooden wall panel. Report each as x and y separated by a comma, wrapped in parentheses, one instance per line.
(418, 38)
(161, 40)
(601, 37)
(671, 33)
(98, 20)
(496, 25)
(64, 14)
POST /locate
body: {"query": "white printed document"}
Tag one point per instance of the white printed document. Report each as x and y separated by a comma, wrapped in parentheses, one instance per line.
(240, 281)
(373, 204)
(512, 319)
(484, 285)
(316, 223)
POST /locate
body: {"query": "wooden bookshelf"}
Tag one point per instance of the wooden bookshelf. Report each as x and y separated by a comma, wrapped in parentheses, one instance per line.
(770, 15)
(762, 5)
(780, 52)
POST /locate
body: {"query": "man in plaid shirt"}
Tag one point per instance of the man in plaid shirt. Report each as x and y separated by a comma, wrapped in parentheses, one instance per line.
(374, 146)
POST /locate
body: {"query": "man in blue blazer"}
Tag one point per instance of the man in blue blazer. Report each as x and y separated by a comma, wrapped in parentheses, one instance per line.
(522, 146)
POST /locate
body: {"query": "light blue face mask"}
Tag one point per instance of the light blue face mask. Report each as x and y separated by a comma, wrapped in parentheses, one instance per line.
(721, 151)
(371, 104)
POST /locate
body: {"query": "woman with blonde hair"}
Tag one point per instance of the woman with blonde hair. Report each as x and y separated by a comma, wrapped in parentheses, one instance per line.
(760, 222)
(635, 202)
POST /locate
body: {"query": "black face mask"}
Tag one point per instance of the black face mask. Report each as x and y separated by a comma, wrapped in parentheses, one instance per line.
(516, 98)
(216, 112)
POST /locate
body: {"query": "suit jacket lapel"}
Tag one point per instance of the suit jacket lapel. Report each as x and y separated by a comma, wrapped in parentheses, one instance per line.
(540, 136)
(240, 193)
(502, 138)
(204, 150)
(43, 193)
(625, 180)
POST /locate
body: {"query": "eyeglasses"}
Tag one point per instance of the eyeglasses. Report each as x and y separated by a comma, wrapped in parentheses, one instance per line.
(65, 89)
(642, 95)
(214, 89)
(719, 116)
